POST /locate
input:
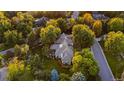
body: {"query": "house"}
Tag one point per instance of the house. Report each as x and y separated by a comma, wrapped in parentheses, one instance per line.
(41, 21)
(98, 16)
(63, 49)
(75, 14)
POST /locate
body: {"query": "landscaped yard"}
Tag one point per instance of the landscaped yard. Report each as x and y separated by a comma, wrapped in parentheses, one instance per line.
(54, 46)
(50, 63)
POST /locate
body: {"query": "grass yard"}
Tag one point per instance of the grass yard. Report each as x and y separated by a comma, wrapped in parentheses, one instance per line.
(116, 66)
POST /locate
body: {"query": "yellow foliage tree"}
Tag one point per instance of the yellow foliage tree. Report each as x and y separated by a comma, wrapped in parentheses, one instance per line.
(97, 27)
(88, 19)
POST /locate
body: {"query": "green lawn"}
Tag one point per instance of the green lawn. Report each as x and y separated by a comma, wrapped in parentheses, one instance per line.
(116, 66)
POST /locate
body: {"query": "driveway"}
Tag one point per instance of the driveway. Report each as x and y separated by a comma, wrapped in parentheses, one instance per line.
(105, 71)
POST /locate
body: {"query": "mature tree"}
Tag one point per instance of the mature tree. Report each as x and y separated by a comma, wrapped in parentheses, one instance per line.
(78, 76)
(114, 43)
(97, 27)
(83, 36)
(64, 77)
(32, 38)
(5, 24)
(36, 62)
(37, 68)
(88, 19)
(80, 20)
(12, 37)
(23, 22)
(62, 24)
(22, 50)
(116, 24)
(17, 70)
(17, 50)
(84, 62)
(52, 22)
(49, 34)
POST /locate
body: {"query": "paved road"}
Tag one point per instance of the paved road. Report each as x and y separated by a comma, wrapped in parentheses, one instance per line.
(5, 51)
(3, 73)
(105, 71)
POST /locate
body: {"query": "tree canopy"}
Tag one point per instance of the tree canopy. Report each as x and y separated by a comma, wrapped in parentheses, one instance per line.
(18, 71)
(83, 36)
(49, 34)
(97, 27)
(88, 19)
(84, 62)
(23, 22)
(116, 24)
(12, 37)
(114, 43)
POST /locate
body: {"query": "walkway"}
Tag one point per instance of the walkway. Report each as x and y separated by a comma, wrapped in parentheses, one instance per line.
(105, 71)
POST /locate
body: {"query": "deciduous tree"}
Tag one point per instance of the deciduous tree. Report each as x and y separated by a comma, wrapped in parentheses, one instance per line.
(114, 43)
(62, 24)
(83, 36)
(12, 37)
(49, 34)
(116, 24)
(97, 27)
(18, 71)
(84, 62)
(88, 19)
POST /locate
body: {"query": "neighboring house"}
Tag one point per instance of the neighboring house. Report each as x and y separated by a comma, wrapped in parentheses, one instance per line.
(98, 16)
(63, 49)
(41, 21)
(75, 14)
